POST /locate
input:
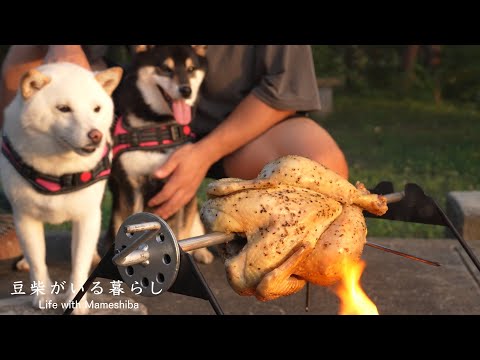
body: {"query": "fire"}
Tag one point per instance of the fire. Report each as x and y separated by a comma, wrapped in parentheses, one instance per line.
(353, 300)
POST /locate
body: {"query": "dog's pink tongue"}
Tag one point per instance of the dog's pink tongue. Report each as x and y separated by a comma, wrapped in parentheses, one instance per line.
(182, 112)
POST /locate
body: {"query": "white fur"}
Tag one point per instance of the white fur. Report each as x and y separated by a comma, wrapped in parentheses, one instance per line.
(142, 163)
(46, 139)
(147, 83)
(195, 83)
(151, 94)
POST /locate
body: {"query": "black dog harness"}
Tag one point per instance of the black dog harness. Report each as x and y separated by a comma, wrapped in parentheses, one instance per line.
(56, 185)
(126, 138)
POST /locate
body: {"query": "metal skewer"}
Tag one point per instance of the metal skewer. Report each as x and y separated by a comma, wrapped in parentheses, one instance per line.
(133, 254)
(221, 238)
(218, 238)
(134, 257)
(211, 239)
(395, 197)
(391, 199)
(307, 299)
(407, 256)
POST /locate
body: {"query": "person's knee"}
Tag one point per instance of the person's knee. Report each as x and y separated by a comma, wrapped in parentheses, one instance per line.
(298, 136)
(18, 60)
(314, 142)
(335, 161)
(330, 154)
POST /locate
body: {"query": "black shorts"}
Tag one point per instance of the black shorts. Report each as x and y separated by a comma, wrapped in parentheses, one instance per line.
(217, 171)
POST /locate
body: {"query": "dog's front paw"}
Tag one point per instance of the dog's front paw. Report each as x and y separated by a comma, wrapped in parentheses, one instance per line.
(43, 301)
(203, 256)
(79, 308)
(22, 265)
(96, 260)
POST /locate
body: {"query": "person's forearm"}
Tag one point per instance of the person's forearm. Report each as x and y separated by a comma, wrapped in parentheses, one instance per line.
(251, 118)
(67, 53)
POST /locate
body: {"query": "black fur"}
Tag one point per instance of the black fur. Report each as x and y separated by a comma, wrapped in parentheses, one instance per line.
(129, 100)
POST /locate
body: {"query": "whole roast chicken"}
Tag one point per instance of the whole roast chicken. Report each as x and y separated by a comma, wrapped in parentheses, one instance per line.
(301, 222)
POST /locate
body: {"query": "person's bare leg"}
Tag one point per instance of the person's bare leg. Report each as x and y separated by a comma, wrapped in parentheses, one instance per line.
(19, 59)
(297, 136)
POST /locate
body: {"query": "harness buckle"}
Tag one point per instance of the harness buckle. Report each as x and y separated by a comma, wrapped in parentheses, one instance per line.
(175, 133)
(67, 181)
(134, 140)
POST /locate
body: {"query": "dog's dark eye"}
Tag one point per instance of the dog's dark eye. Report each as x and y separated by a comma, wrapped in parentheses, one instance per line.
(191, 69)
(97, 109)
(167, 70)
(64, 108)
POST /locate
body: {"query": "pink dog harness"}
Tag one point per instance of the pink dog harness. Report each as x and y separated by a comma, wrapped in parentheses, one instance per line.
(56, 185)
(156, 138)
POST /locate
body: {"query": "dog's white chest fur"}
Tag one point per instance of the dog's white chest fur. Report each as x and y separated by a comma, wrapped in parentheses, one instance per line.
(143, 163)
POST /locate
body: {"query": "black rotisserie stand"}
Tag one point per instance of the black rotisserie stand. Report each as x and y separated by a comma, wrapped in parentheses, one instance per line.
(147, 255)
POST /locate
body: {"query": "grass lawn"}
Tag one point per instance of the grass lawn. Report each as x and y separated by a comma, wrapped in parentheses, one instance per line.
(437, 147)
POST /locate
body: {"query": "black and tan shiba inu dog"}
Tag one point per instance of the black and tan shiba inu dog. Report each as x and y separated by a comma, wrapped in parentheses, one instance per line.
(155, 102)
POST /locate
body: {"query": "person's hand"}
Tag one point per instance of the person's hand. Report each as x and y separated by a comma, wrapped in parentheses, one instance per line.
(67, 53)
(186, 169)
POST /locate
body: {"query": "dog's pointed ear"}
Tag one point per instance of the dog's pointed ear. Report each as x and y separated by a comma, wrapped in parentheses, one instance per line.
(32, 82)
(201, 50)
(110, 78)
(141, 48)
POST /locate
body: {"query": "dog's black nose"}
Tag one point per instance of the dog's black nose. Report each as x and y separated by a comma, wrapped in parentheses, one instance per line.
(96, 136)
(185, 91)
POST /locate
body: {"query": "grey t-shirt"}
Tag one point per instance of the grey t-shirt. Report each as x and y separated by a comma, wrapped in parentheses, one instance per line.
(95, 52)
(282, 76)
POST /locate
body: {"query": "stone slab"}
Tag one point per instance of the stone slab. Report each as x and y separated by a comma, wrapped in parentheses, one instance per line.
(398, 286)
(463, 208)
(107, 305)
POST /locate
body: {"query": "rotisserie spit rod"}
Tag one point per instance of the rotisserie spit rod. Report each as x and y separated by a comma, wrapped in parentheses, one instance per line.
(134, 254)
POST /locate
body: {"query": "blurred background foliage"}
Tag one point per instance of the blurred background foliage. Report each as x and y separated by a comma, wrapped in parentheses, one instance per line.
(405, 113)
(404, 71)
(437, 72)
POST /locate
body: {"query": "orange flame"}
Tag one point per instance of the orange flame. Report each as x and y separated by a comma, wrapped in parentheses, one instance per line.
(353, 300)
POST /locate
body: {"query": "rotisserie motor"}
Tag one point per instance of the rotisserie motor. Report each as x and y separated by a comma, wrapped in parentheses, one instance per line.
(301, 221)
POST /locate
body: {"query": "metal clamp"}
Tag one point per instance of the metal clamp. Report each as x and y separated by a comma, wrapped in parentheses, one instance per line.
(147, 253)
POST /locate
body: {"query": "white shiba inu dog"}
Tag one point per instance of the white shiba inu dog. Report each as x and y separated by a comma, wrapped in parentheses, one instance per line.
(54, 163)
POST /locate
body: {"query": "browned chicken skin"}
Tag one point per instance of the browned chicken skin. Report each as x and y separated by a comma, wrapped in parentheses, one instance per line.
(301, 221)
